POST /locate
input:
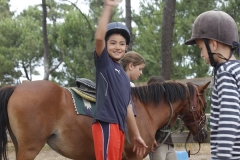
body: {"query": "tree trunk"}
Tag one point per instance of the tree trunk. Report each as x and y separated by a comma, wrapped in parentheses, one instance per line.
(45, 41)
(167, 37)
(129, 21)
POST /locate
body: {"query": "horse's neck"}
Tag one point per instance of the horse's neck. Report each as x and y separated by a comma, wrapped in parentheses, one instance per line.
(177, 108)
(166, 113)
(146, 121)
(154, 117)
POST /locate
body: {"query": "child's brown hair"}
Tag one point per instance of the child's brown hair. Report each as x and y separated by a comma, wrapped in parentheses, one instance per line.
(133, 57)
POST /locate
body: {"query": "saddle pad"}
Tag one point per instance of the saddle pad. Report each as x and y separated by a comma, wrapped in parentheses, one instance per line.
(84, 95)
(82, 106)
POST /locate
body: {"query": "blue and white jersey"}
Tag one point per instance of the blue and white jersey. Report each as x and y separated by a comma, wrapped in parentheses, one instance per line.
(225, 112)
(113, 91)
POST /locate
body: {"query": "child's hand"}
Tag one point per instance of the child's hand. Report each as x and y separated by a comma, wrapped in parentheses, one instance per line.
(112, 3)
(153, 148)
(139, 146)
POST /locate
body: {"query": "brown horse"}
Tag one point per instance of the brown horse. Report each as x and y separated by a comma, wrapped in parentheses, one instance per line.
(40, 112)
(153, 104)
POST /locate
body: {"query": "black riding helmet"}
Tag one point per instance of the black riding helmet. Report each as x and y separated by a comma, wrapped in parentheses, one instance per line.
(216, 25)
(119, 28)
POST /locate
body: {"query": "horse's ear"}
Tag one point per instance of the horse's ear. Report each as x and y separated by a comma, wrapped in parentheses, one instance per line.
(203, 87)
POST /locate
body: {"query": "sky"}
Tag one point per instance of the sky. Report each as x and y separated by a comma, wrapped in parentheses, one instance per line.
(18, 6)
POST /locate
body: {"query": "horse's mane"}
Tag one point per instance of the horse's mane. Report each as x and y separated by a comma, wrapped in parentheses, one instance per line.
(172, 91)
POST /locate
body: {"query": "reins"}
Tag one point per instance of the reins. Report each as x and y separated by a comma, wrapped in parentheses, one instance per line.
(192, 110)
(199, 121)
(192, 115)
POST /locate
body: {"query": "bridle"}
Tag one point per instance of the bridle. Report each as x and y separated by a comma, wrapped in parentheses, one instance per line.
(193, 104)
(192, 112)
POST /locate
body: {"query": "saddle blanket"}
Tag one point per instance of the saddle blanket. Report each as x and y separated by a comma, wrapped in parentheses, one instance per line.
(82, 105)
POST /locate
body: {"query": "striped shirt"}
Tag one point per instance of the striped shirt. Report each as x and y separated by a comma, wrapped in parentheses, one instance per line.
(225, 112)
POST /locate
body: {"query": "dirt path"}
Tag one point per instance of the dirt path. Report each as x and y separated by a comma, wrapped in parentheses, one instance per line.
(48, 154)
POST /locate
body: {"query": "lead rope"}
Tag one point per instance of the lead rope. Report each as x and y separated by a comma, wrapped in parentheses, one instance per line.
(189, 134)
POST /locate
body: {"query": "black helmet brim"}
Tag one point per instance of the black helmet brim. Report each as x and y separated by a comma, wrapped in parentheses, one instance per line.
(191, 41)
(118, 28)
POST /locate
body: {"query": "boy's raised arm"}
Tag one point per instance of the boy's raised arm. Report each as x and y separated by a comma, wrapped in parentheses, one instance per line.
(102, 25)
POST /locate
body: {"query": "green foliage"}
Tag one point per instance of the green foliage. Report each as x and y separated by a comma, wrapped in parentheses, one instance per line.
(71, 39)
(5, 10)
(78, 45)
(19, 43)
(147, 37)
(187, 60)
(34, 12)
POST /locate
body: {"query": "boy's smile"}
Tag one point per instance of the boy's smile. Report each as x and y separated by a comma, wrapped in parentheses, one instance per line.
(116, 46)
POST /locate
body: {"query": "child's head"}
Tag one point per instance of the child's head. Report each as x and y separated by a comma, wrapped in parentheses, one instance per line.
(156, 79)
(133, 64)
(215, 32)
(117, 40)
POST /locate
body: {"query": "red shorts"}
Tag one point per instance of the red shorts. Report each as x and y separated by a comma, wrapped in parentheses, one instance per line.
(108, 141)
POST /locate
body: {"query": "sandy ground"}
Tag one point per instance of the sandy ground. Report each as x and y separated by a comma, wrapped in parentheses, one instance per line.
(48, 154)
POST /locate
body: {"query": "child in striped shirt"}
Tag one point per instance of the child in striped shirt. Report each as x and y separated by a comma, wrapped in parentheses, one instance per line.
(216, 34)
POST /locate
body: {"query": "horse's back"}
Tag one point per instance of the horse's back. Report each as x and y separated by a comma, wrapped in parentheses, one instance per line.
(37, 90)
(36, 95)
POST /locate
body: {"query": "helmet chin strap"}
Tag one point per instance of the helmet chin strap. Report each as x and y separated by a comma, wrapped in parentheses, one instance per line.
(210, 54)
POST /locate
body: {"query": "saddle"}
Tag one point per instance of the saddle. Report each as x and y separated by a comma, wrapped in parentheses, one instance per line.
(86, 88)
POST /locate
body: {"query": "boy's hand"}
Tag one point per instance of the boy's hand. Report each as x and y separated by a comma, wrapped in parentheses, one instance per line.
(112, 3)
(139, 146)
(153, 148)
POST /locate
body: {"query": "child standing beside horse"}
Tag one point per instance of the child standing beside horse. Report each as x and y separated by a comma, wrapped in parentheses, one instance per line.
(216, 34)
(133, 64)
(113, 90)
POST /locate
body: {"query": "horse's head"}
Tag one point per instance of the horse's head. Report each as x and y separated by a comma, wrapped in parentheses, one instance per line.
(193, 115)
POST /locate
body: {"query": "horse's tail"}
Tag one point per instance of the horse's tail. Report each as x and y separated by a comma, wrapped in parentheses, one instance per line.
(5, 94)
